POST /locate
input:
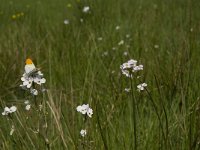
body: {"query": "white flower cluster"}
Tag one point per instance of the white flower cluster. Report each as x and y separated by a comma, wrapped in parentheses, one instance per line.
(8, 110)
(85, 109)
(32, 76)
(128, 68)
(29, 79)
(141, 86)
(83, 132)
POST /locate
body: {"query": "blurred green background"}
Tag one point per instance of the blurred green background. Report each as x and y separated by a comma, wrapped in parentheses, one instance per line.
(81, 62)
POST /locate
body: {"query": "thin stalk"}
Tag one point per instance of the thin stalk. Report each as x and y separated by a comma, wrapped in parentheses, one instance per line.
(100, 128)
(156, 110)
(166, 118)
(85, 124)
(134, 116)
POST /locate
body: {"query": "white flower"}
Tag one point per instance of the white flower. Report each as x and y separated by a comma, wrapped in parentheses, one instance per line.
(117, 27)
(28, 107)
(79, 109)
(113, 72)
(114, 48)
(26, 102)
(105, 53)
(6, 111)
(34, 91)
(127, 36)
(125, 66)
(127, 73)
(27, 81)
(141, 86)
(13, 109)
(132, 62)
(86, 9)
(31, 75)
(83, 133)
(85, 109)
(99, 38)
(125, 53)
(156, 46)
(121, 42)
(137, 68)
(39, 73)
(66, 21)
(129, 67)
(90, 112)
(127, 90)
(81, 20)
(39, 80)
(9, 110)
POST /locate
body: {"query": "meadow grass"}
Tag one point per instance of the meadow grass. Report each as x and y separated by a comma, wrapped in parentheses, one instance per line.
(79, 68)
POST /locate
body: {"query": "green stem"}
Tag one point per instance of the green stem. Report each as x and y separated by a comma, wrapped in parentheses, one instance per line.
(156, 110)
(134, 116)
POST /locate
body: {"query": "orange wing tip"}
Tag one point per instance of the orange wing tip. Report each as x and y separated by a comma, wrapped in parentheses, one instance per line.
(29, 61)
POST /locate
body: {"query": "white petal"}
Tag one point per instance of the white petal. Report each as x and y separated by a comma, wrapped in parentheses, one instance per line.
(28, 107)
(36, 80)
(13, 109)
(29, 85)
(90, 112)
(26, 102)
(23, 78)
(4, 113)
(6, 109)
(144, 84)
(79, 108)
(25, 83)
(43, 80)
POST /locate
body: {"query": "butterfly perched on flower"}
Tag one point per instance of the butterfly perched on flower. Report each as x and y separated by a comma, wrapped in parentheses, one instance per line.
(30, 68)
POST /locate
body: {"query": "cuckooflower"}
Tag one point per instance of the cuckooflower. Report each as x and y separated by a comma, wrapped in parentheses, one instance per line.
(121, 42)
(8, 110)
(86, 9)
(129, 67)
(83, 132)
(85, 109)
(27, 82)
(127, 90)
(117, 27)
(90, 112)
(141, 86)
(31, 77)
(28, 107)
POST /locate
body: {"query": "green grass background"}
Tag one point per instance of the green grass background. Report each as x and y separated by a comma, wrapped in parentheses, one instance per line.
(70, 56)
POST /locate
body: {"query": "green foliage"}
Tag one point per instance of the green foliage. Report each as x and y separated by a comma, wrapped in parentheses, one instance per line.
(164, 37)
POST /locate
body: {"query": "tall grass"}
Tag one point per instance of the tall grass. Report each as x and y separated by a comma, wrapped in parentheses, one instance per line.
(164, 37)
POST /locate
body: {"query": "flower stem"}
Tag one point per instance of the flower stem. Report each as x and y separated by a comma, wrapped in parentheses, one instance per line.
(134, 116)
